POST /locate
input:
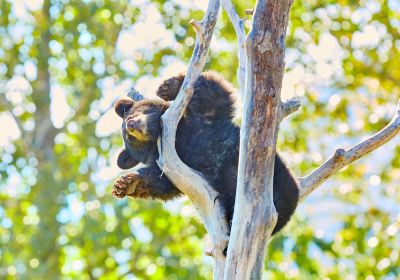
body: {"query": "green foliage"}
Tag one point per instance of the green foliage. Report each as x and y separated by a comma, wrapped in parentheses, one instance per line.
(68, 61)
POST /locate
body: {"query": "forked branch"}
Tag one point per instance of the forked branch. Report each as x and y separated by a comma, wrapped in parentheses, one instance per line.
(187, 180)
(341, 158)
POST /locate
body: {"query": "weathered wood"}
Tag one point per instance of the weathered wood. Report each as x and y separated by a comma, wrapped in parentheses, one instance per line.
(260, 85)
(341, 158)
(255, 215)
(249, 12)
(289, 107)
(187, 180)
(238, 24)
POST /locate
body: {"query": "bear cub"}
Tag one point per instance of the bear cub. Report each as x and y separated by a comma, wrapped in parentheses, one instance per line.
(207, 140)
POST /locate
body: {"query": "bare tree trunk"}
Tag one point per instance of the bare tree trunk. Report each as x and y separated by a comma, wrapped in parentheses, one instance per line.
(44, 241)
(255, 215)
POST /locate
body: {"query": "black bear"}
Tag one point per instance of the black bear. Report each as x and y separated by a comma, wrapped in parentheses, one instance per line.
(207, 140)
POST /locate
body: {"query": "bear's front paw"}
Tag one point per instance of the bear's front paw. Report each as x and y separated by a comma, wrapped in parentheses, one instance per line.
(169, 89)
(125, 185)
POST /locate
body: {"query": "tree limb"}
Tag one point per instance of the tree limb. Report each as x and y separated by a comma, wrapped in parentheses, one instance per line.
(289, 107)
(238, 24)
(341, 158)
(9, 108)
(187, 180)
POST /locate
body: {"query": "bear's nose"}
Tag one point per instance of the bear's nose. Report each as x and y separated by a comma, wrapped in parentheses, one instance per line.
(133, 125)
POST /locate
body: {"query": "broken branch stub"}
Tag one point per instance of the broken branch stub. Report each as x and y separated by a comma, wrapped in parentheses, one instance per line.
(134, 94)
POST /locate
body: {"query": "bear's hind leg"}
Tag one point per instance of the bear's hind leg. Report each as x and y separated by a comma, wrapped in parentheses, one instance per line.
(213, 98)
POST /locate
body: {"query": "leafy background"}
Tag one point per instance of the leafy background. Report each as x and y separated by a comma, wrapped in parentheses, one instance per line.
(64, 62)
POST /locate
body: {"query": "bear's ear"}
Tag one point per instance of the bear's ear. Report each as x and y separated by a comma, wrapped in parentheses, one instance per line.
(123, 106)
(125, 160)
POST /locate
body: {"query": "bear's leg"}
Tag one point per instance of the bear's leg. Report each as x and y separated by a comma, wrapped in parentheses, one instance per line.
(148, 182)
(212, 99)
(169, 89)
(286, 193)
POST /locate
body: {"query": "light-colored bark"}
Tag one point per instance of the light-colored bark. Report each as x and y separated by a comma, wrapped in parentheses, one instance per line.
(260, 76)
(187, 180)
(342, 158)
(255, 215)
(238, 24)
(135, 95)
(289, 107)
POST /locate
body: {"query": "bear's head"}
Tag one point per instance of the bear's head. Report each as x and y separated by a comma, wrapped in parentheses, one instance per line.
(141, 127)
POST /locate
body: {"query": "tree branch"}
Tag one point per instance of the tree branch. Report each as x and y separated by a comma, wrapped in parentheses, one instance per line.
(134, 94)
(238, 24)
(187, 180)
(341, 158)
(289, 107)
(9, 108)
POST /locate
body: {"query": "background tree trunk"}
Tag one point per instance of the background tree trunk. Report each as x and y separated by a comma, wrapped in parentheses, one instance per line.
(44, 241)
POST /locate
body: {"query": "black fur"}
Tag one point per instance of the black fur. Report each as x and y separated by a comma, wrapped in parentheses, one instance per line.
(207, 140)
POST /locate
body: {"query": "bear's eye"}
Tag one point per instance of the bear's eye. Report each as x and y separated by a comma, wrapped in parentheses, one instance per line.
(131, 138)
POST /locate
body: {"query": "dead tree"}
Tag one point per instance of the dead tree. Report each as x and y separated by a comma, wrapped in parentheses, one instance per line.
(261, 67)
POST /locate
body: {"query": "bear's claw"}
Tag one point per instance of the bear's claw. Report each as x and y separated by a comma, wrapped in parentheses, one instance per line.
(169, 88)
(126, 185)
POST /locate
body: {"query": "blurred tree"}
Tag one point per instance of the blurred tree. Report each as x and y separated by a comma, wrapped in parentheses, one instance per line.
(64, 63)
(54, 223)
